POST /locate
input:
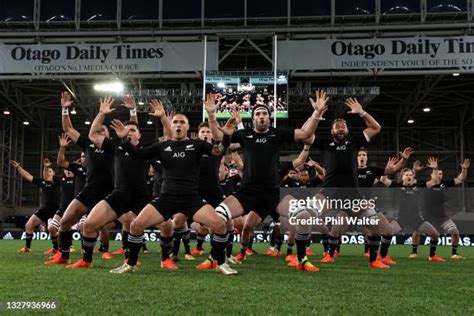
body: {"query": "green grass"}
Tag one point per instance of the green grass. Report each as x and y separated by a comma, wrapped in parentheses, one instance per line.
(265, 285)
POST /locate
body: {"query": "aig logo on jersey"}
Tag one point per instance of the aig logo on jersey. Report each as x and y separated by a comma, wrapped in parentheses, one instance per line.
(261, 140)
(179, 155)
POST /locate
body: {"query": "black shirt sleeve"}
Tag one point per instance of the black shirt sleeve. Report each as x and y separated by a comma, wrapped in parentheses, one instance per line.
(147, 153)
(36, 181)
(360, 140)
(204, 148)
(237, 137)
(378, 172)
(449, 183)
(82, 142)
(318, 143)
(286, 135)
(108, 145)
(73, 166)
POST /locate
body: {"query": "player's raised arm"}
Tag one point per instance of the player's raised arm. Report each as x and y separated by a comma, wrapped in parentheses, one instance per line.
(129, 103)
(23, 173)
(105, 108)
(64, 141)
(210, 106)
(158, 111)
(394, 165)
(463, 175)
(320, 107)
(66, 103)
(373, 127)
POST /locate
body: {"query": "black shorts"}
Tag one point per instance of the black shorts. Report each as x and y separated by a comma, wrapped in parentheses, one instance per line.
(169, 204)
(214, 197)
(124, 200)
(46, 213)
(60, 212)
(412, 222)
(91, 194)
(262, 201)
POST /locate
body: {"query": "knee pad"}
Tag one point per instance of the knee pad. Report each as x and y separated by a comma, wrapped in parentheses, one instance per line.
(223, 211)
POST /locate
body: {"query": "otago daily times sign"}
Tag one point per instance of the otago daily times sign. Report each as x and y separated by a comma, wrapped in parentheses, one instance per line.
(100, 58)
(386, 53)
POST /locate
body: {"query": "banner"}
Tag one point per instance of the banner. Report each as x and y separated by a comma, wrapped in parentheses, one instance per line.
(106, 58)
(377, 53)
(260, 236)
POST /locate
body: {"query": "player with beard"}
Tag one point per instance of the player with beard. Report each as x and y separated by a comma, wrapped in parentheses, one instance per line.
(408, 195)
(180, 162)
(49, 186)
(258, 195)
(434, 209)
(130, 176)
(340, 159)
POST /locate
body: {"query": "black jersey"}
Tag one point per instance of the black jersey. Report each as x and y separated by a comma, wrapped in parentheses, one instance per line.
(261, 153)
(157, 179)
(340, 160)
(67, 191)
(129, 173)
(408, 198)
(366, 176)
(80, 175)
(50, 192)
(434, 199)
(179, 161)
(99, 163)
(150, 183)
(230, 184)
(209, 173)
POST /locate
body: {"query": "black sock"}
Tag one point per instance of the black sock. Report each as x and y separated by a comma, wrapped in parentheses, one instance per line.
(278, 242)
(82, 242)
(124, 240)
(218, 245)
(251, 243)
(301, 244)
(289, 249)
(29, 238)
(165, 243)
(332, 244)
(374, 243)
(186, 238)
(272, 238)
(66, 242)
(325, 241)
(230, 243)
(125, 244)
(54, 241)
(414, 248)
(134, 246)
(454, 250)
(243, 248)
(144, 246)
(200, 240)
(366, 244)
(338, 246)
(177, 236)
(433, 244)
(386, 239)
(104, 247)
(88, 245)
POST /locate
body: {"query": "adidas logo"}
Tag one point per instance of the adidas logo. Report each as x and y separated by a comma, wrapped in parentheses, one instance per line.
(8, 236)
(168, 149)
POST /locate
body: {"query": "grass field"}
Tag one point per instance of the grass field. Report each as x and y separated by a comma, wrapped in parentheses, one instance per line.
(265, 285)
